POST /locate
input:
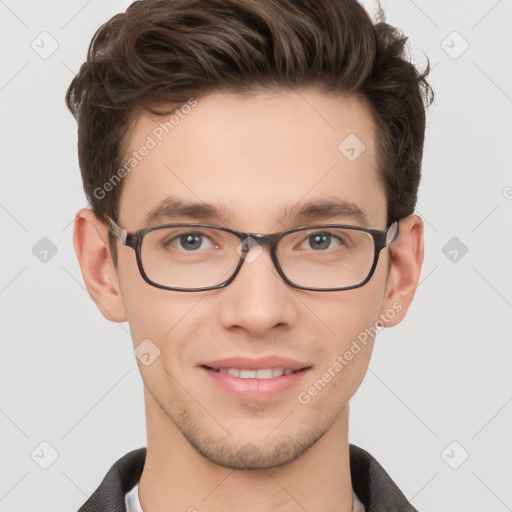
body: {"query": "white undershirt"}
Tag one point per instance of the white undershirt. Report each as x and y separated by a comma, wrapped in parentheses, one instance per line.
(132, 502)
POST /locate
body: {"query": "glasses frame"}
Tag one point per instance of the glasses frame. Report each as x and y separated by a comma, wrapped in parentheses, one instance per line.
(381, 239)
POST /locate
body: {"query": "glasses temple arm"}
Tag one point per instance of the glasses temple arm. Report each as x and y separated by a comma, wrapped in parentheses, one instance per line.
(392, 233)
(122, 234)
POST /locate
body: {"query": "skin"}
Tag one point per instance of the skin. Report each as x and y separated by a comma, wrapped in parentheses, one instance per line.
(254, 155)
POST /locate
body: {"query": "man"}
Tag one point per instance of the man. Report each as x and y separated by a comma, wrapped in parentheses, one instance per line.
(252, 168)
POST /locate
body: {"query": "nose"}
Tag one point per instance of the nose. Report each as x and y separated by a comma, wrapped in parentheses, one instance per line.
(258, 299)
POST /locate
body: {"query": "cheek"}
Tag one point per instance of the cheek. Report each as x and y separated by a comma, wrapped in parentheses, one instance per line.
(349, 319)
(168, 319)
(341, 316)
(151, 312)
(348, 323)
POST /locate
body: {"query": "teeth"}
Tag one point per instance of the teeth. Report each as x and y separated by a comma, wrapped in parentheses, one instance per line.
(266, 373)
(277, 372)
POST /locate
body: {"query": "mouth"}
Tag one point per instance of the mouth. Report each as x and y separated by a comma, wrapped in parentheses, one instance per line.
(263, 373)
(255, 380)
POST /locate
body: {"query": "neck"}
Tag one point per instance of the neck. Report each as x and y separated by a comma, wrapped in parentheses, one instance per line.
(177, 478)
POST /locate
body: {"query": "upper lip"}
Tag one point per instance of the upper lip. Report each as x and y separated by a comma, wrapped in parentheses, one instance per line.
(256, 364)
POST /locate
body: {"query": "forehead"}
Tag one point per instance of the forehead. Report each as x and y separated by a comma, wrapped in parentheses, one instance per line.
(253, 156)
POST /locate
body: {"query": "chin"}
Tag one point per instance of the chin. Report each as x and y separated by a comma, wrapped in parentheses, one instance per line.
(257, 454)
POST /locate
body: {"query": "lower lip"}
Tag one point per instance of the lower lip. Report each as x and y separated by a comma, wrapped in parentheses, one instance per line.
(256, 389)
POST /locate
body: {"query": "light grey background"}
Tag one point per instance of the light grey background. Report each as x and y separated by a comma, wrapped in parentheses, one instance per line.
(439, 386)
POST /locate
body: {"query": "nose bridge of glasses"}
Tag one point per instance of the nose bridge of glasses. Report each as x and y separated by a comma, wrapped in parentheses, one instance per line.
(256, 240)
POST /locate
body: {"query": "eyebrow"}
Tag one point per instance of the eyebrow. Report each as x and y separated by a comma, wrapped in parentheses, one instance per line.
(332, 208)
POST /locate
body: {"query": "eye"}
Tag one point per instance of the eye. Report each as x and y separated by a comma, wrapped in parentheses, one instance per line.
(322, 241)
(191, 241)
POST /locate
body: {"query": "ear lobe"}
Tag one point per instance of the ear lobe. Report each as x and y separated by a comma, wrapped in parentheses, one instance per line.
(90, 239)
(406, 255)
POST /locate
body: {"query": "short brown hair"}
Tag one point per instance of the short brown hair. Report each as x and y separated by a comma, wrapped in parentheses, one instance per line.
(167, 51)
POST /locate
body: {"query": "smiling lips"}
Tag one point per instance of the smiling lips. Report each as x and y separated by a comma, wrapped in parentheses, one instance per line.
(256, 379)
(262, 368)
(265, 373)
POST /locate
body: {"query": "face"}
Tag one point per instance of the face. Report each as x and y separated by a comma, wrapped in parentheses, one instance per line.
(253, 158)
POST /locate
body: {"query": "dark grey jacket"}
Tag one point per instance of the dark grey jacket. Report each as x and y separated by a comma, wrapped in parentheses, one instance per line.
(371, 483)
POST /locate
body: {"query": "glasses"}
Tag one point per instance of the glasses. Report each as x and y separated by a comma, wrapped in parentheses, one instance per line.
(199, 257)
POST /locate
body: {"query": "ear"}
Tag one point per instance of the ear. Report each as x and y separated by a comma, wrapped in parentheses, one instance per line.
(406, 259)
(90, 239)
